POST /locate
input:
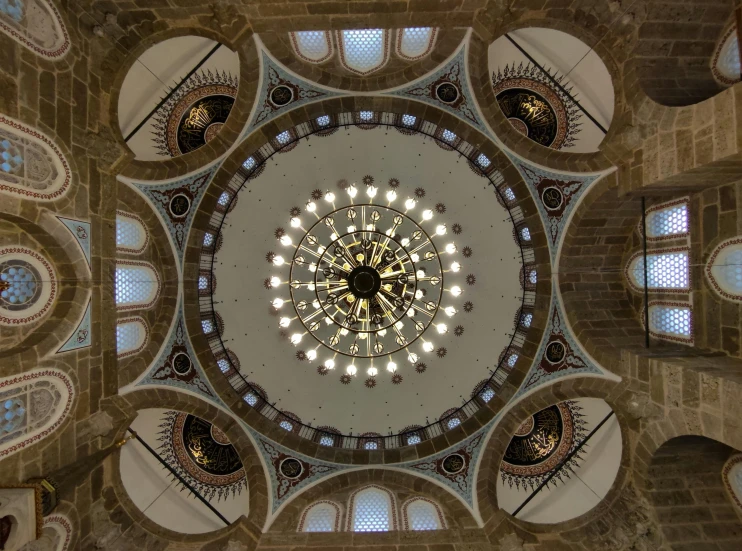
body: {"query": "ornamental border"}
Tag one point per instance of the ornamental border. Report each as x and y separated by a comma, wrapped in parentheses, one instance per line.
(338, 514)
(136, 218)
(710, 264)
(59, 53)
(65, 523)
(138, 349)
(392, 506)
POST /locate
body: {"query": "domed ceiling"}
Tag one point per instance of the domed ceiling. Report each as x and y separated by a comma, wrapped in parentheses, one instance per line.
(441, 320)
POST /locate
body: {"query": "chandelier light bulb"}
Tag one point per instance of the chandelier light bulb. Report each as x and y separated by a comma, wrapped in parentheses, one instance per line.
(427, 214)
(399, 325)
(352, 191)
(277, 303)
(405, 242)
(455, 267)
(295, 222)
(275, 281)
(450, 311)
(284, 322)
(329, 197)
(343, 331)
(440, 229)
(428, 346)
(450, 248)
(418, 294)
(409, 204)
(351, 369)
(382, 332)
(411, 313)
(456, 290)
(370, 227)
(372, 371)
(371, 191)
(391, 195)
(312, 268)
(420, 274)
(412, 357)
(316, 304)
(330, 364)
(286, 241)
(328, 320)
(333, 236)
(311, 355)
(442, 329)
(320, 249)
(310, 286)
(311, 206)
(351, 229)
(278, 260)
(415, 257)
(296, 338)
(391, 367)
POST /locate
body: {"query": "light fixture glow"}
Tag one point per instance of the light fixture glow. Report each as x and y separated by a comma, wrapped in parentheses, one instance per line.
(286, 241)
(311, 355)
(440, 229)
(351, 369)
(409, 204)
(442, 329)
(427, 214)
(277, 260)
(296, 338)
(456, 290)
(275, 281)
(391, 195)
(329, 197)
(277, 303)
(391, 367)
(330, 364)
(372, 371)
(311, 206)
(371, 191)
(428, 346)
(455, 267)
(352, 191)
(450, 248)
(450, 311)
(295, 222)
(412, 357)
(284, 322)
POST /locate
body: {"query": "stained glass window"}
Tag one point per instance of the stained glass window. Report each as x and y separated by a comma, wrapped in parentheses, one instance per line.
(408, 120)
(371, 511)
(422, 515)
(364, 50)
(448, 136)
(415, 42)
(130, 234)
(286, 425)
(312, 45)
(129, 336)
(670, 320)
(668, 221)
(135, 285)
(321, 517)
(664, 270)
(324, 120)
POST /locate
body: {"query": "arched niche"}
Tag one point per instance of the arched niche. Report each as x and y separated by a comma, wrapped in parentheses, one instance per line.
(201, 454)
(553, 88)
(192, 113)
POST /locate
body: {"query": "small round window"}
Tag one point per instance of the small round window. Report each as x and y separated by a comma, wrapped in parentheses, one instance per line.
(27, 286)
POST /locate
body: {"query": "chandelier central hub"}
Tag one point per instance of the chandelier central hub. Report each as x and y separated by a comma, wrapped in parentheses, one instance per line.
(364, 282)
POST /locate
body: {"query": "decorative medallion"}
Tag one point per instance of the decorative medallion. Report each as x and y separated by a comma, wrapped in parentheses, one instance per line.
(366, 281)
(536, 107)
(28, 286)
(291, 468)
(279, 89)
(202, 455)
(453, 464)
(81, 232)
(174, 201)
(182, 364)
(447, 92)
(195, 113)
(82, 336)
(541, 443)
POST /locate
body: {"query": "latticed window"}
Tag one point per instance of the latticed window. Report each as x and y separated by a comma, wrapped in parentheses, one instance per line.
(732, 270)
(286, 425)
(448, 136)
(483, 160)
(420, 514)
(366, 116)
(525, 234)
(207, 326)
(413, 439)
(130, 336)
(487, 394)
(363, 50)
(727, 63)
(512, 359)
(372, 511)
(136, 285)
(208, 239)
(284, 137)
(326, 441)
(224, 199)
(526, 319)
(670, 320)
(372, 445)
(668, 221)
(415, 42)
(321, 517)
(130, 234)
(724, 269)
(313, 46)
(408, 120)
(509, 194)
(664, 270)
(453, 422)
(251, 398)
(223, 364)
(203, 283)
(532, 276)
(324, 120)
(249, 163)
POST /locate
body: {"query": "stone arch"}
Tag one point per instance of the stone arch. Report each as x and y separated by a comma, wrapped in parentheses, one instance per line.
(33, 166)
(255, 474)
(37, 25)
(266, 134)
(39, 401)
(160, 170)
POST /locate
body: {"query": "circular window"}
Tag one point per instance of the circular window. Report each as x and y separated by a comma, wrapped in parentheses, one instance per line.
(27, 286)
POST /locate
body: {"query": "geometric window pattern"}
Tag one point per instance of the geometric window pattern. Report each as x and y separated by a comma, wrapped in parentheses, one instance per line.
(130, 336)
(670, 320)
(526, 319)
(284, 137)
(208, 239)
(321, 517)
(484, 162)
(448, 136)
(20, 282)
(453, 422)
(421, 514)
(664, 271)
(326, 441)
(408, 120)
(512, 359)
(364, 50)
(509, 194)
(223, 364)
(372, 511)
(373, 445)
(313, 46)
(286, 425)
(732, 270)
(413, 439)
(130, 234)
(726, 62)
(136, 285)
(668, 221)
(324, 120)
(486, 394)
(415, 42)
(525, 234)
(724, 269)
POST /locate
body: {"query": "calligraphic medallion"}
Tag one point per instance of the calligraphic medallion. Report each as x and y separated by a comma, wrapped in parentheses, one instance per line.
(291, 468)
(454, 463)
(533, 112)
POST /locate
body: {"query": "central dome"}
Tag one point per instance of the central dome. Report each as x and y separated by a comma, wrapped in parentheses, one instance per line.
(367, 280)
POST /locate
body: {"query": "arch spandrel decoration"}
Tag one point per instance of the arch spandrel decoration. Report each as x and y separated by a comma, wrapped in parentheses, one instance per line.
(33, 405)
(37, 25)
(31, 165)
(28, 286)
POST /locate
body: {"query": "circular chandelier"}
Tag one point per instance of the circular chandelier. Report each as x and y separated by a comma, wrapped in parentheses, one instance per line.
(367, 286)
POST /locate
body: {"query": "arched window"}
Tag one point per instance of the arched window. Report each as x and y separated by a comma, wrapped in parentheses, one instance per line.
(372, 509)
(289, 421)
(667, 269)
(32, 406)
(484, 391)
(724, 269)
(422, 514)
(370, 441)
(363, 51)
(452, 418)
(732, 477)
(37, 25)
(667, 220)
(322, 516)
(31, 165)
(725, 63)
(131, 235)
(415, 42)
(137, 285)
(672, 321)
(131, 336)
(312, 46)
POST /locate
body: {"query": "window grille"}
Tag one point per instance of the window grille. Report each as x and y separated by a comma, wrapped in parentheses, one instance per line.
(672, 220)
(487, 394)
(135, 285)
(415, 42)
(207, 326)
(512, 359)
(223, 364)
(364, 50)
(366, 116)
(453, 422)
(526, 319)
(509, 194)
(313, 46)
(372, 445)
(286, 425)
(525, 234)
(251, 398)
(324, 120)
(371, 511)
(326, 441)
(422, 515)
(224, 199)
(664, 270)
(670, 320)
(408, 120)
(284, 137)
(129, 336)
(249, 163)
(483, 161)
(448, 136)
(130, 234)
(413, 439)
(208, 239)
(321, 517)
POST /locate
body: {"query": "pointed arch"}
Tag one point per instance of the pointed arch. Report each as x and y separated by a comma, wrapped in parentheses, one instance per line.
(419, 513)
(372, 508)
(724, 269)
(31, 165)
(320, 516)
(33, 405)
(37, 25)
(667, 270)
